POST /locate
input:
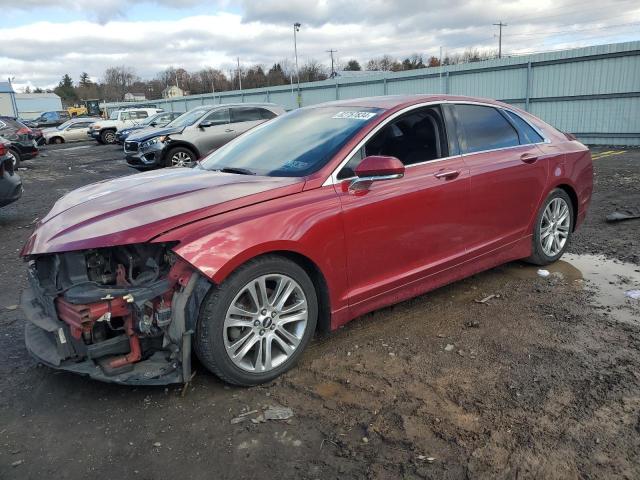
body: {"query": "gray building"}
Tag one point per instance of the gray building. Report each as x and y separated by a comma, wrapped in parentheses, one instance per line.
(31, 105)
(8, 105)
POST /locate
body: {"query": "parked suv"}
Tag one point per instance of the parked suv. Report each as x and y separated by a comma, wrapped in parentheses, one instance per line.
(104, 131)
(195, 134)
(73, 130)
(51, 119)
(156, 121)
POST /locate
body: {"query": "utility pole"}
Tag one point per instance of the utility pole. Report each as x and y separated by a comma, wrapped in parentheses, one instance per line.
(296, 29)
(331, 52)
(500, 25)
(239, 75)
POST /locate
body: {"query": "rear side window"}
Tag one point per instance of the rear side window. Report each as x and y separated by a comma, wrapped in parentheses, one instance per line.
(246, 114)
(141, 114)
(525, 131)
(484, 128)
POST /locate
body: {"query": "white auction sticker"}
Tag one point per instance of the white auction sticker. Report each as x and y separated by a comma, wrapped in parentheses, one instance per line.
(355, 115)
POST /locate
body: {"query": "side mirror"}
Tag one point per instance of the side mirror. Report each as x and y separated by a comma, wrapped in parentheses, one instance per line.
(207, 123)
(153, 124)
(376, 168)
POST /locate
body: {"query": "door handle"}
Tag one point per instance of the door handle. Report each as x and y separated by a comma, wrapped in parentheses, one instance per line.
(528, 158)
(447, 175)
(229, 130)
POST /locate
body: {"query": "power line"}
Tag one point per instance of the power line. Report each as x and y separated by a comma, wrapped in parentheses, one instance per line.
(568, 32)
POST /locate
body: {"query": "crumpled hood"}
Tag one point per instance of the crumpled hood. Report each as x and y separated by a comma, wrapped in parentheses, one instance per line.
(155, 132)
(139, 207)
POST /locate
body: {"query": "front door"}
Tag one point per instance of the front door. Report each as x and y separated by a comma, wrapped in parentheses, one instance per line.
(400, 231)
(215, 134)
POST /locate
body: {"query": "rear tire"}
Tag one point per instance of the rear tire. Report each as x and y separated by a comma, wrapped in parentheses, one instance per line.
(553, 228)
(57, 140)
(108, 137)
(223, 335)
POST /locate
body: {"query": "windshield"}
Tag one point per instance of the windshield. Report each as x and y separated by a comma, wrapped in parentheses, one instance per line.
(152, 118)
(188, 118)
(114, 115)
(293, 145)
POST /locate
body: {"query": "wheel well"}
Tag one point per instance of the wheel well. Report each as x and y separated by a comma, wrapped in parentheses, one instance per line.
(574, 199)
(53, 139)
(319, 282)
(188, 146)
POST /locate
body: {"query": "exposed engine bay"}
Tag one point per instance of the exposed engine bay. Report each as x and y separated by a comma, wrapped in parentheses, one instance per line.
(123, 314)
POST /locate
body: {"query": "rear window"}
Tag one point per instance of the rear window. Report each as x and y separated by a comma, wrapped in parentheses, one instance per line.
(484, 128)
(526, 133)
(246, 114)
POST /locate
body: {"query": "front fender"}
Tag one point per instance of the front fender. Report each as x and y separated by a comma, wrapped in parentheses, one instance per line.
(308, 224)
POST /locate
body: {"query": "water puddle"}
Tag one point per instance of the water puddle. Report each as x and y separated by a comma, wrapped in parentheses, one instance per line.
(607, 279)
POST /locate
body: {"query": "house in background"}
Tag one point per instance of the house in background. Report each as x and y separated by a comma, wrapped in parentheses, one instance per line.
(8, 105)
(134, 97)
(31, 105)
(172, 91)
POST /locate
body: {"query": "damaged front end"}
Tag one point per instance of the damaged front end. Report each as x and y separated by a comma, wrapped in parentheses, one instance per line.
(120, 314)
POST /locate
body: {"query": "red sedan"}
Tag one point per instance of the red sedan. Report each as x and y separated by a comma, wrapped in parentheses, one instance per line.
(303, 223)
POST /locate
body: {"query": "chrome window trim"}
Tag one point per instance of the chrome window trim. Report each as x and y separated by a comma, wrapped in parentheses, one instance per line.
(333, 178)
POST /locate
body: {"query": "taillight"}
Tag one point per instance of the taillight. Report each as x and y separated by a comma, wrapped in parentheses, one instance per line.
(24, 131)
(3, 149)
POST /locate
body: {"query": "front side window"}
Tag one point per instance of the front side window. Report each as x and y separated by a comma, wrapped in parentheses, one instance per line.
(416, 137)
(218, 117)
(125, 116)
(295, 144)
(141, 114)
(484, 128)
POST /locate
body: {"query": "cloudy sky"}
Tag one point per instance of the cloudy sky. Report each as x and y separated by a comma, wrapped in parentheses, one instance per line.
(40, 40)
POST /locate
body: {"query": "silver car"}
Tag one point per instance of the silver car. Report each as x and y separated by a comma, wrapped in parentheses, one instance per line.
(73, 130)
(194, 134)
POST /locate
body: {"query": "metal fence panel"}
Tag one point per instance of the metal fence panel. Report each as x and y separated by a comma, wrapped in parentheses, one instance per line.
(593, 92)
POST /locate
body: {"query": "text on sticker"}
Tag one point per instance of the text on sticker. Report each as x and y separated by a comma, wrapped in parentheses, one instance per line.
(355, 115)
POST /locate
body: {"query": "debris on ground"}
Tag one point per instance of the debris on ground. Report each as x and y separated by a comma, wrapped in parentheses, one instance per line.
(635, 294)
(486, 299)
(544, 273)
(620, 215)
(278, 413)
(17, 463)
(449, 347)
(12, 307)
(472, 324)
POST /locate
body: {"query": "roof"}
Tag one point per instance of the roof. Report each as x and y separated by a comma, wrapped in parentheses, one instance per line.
(35, 96)
(5, 87)
(389, 102)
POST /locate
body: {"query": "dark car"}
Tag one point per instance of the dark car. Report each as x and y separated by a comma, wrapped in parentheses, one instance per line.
(194, 134)
(52, 119)
(306, 221)
(23, 140)
(156, 121)
(10, 182)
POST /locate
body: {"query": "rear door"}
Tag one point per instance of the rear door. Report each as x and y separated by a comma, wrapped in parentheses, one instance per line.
(506, 171)
(245, 118)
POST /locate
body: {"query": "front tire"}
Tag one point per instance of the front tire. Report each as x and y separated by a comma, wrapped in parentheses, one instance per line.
(256, 324)
(180, 157)
(553, 228)
(56, 140)
(108, 137)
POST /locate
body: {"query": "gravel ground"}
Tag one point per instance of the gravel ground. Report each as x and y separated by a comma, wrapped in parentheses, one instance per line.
(540, 381)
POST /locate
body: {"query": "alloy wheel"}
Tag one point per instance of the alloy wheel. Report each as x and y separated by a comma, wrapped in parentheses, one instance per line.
(181, 159)
(265, 323)
(110, 137)
(554, 227)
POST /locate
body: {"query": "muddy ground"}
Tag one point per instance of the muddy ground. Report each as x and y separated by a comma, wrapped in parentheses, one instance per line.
(540, 381)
